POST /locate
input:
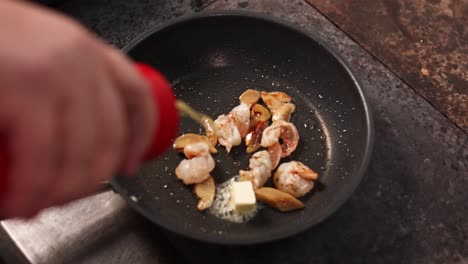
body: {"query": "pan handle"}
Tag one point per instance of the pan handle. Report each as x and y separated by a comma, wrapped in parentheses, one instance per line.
(106, 186)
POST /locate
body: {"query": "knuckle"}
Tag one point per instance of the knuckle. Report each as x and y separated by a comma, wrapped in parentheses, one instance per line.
(117, 148)
(115, 137)
(41, 71)
(112, 151)
(80, 39)
(106, 165)
(140, 96)
(137, 87)
(119, 133)
(79, 161)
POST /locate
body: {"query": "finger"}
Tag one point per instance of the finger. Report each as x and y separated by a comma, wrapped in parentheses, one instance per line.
(108, 151)
(91, 189)
(78, 123)
(33, 162)
(136, 96)
(111, 132)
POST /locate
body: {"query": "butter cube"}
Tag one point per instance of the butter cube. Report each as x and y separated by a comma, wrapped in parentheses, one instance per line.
(243, 196)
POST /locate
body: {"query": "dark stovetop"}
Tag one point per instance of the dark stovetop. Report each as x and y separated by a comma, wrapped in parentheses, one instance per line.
(410, 208)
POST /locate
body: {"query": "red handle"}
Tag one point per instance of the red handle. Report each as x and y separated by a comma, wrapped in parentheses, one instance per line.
(167, 121)
(167, 117)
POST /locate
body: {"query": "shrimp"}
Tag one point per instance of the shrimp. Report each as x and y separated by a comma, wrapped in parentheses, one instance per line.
(233, 127)
(285, 131)
(198, 165)
(227, 132)
(275, 154)
(294, 178)
(260, 169)
(241, 117)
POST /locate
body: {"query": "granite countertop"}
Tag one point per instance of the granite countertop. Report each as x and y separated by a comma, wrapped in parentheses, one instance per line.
(411, 206)
(424, 42)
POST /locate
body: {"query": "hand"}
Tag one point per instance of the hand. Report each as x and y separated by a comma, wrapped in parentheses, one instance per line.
(73, 110)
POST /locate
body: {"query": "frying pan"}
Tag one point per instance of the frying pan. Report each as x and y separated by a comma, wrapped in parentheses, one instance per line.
(211, 58)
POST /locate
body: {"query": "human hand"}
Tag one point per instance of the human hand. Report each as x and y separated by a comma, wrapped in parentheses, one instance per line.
(73, 110)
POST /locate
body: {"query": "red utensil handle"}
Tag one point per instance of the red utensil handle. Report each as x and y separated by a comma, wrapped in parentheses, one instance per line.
(167, 116)
(167, 120)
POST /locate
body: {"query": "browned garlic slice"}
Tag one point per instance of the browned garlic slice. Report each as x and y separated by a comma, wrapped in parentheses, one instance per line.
(250, 97)
(190, 138)
(274, 100)
(277, 199)
(206, 192)
(284, 112)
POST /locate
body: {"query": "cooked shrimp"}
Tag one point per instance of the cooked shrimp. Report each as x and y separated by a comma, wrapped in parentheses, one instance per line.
(241, 117)
(294, 178)
(275, 154)
(285, 131)
(227, 132)
(260, 169)
(198, 165)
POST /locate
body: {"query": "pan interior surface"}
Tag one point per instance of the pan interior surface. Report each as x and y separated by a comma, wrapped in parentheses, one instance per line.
(211, 60)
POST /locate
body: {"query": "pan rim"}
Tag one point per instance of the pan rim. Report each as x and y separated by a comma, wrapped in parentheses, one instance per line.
(314, 37)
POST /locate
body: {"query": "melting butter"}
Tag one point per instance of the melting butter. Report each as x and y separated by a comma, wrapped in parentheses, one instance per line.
(223, 207)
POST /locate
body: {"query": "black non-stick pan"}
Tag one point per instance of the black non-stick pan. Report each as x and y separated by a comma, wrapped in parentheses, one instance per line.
(211, 59)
